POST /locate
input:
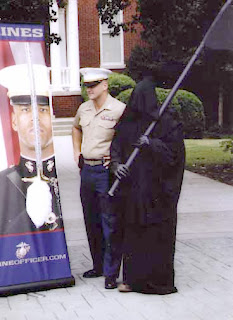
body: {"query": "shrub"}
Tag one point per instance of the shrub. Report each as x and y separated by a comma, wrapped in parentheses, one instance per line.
(117, 82)
(192, 114)
(189, 108)
(227, 145)
(218, 132)
(83, 91)
(161, 96)
(124, 96)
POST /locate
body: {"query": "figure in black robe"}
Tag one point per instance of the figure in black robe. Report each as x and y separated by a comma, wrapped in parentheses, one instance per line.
(150, 193)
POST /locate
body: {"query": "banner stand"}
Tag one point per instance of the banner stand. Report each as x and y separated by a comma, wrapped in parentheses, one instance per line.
(36, 286)
(33, 254)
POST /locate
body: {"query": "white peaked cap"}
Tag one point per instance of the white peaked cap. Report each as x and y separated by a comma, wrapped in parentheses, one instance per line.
(16, 79)
(94, 74)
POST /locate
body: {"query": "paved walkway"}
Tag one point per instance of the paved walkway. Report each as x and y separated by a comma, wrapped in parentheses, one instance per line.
(203, 261)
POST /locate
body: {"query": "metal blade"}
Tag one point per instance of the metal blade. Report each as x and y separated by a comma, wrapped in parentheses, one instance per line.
(34, 106)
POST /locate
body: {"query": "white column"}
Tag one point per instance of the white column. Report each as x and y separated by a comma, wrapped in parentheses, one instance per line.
(73, 44)
(55, 57)
(62, 43)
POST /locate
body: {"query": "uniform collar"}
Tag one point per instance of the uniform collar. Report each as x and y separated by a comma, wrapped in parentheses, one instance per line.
(108, 105)
(27, 166)
(34, 160)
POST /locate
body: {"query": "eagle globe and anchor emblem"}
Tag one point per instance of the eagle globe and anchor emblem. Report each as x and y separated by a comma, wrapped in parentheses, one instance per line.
(22, 249)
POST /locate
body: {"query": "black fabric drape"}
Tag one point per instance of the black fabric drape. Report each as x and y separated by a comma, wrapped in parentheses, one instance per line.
(153, 186)
(147, 199)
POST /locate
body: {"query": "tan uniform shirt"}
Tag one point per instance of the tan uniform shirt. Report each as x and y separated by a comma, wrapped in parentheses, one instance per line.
(98, 126)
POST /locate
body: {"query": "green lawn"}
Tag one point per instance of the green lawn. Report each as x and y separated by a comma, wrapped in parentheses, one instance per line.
(206, 152)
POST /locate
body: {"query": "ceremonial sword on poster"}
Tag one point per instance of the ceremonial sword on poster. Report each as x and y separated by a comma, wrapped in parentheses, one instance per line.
(38, 192)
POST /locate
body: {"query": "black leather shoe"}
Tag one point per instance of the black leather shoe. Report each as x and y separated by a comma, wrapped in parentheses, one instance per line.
(92, 274)
(110, 283)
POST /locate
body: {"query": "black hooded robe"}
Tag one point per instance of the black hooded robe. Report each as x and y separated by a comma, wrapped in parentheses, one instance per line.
(149, 196)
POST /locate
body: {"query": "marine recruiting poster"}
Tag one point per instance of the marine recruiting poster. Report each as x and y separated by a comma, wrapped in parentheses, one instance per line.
(33, 253)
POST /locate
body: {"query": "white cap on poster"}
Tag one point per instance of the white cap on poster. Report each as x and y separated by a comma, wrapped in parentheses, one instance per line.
(16, 79)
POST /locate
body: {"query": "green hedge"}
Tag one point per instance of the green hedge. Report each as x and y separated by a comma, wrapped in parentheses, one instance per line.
(193, 116)
(83, 91)
(117, 82)
(161, 96)
(124, 96)
(187, 105)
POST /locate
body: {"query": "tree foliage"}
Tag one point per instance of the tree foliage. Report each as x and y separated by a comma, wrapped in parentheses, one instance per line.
(25, 10)
(171, 27)
(30, 11)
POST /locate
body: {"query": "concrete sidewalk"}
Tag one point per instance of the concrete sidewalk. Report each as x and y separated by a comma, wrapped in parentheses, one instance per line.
(203, 261)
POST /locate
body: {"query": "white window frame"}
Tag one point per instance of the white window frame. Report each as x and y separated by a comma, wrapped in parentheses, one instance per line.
(112, 65)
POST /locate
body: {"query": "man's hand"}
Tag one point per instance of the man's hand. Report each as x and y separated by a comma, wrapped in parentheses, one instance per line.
(76, 157)
(77, 140)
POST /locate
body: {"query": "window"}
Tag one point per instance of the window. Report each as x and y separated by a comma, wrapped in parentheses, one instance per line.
(111, 48)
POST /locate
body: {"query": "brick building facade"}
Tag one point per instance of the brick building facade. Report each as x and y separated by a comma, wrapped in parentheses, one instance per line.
(85, 43)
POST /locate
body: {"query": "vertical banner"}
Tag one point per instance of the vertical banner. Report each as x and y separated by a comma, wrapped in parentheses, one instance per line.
(33, 254)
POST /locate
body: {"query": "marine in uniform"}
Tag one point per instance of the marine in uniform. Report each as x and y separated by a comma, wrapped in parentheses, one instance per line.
(92, 134)
(15, 182)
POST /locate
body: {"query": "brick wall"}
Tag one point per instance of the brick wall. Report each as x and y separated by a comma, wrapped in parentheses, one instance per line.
(131, 39)
(89, 45)
(89, 41)
(88, 34)
(66, 106)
